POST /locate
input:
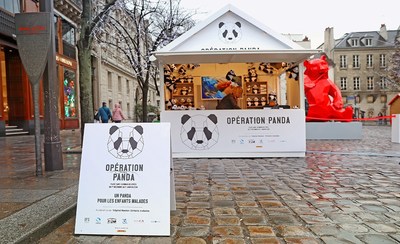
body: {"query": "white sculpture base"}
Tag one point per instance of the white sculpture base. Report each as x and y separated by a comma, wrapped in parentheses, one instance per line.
(333, 130)
(396, 128)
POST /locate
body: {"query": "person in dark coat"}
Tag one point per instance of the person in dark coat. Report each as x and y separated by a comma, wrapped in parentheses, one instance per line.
(230, 99)
(105, 113)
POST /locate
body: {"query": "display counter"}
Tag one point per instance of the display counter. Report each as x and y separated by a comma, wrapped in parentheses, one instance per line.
(237, 133)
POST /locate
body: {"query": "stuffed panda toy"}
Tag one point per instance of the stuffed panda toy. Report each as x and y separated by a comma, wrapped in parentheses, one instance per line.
(267, 68)
(192, 66)
(182, 70)
(230, 32)
(230, 75)
(272, 99)
(252, 72)
(293, 72)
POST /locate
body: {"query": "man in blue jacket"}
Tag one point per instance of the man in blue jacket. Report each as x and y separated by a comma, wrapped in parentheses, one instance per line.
(105, 113)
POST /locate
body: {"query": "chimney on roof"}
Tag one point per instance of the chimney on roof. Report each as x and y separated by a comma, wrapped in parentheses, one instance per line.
(383, 32)
(329, 42)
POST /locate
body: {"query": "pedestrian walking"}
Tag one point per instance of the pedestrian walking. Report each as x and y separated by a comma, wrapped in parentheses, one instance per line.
(105, 113)
(117, 115)
(96, 116)
(380, 118)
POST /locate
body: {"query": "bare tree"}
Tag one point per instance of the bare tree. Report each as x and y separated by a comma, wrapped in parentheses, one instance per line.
(89, 23)
(394, 63)
(144, 27)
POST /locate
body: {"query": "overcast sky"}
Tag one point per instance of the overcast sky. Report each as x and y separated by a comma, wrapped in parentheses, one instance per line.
(310, 17)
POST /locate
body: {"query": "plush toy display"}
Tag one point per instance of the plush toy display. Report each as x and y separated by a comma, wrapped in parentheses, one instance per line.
(230, 75)
(267, 68)
(272, 99)
(169, 81)
(182, 70)
(252, 72)
(323, 96)
(293, 72)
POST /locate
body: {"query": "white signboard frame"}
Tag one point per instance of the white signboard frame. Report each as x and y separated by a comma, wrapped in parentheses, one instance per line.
(237, 133)
(124, 185)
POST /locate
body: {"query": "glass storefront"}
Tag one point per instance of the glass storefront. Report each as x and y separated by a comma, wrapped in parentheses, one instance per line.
(69, 94)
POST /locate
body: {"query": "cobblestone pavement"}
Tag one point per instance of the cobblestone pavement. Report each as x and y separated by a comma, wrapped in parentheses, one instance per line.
(343, 191)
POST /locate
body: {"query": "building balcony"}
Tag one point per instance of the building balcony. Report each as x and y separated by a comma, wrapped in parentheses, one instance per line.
(72, 9)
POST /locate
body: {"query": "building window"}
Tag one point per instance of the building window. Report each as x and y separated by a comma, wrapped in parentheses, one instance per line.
(382, 60)
(343, 83)
(354, 42)
(383, 83)
(369, 60)
(356, 61)
(69, 40)
(109, 77)
(370, 83)
(128, 108)
(343, 61)
(69, 94)
(356, 83)
(368, 42)
(68, 33)
(128, 89)
(10, 5)
(383, 98)
(119, 84)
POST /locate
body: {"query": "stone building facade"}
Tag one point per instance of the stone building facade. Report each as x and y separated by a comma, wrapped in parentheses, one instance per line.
(360, 62)
(113, 77)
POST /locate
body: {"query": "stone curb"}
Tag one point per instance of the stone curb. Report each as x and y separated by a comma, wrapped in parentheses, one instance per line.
(39, 219)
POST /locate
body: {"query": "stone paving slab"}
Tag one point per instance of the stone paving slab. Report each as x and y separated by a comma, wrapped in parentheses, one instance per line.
(267, 201)
(341, 192)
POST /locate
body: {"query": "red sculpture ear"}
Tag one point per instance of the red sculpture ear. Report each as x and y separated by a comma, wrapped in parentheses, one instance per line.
(323, 57)
(306, 63)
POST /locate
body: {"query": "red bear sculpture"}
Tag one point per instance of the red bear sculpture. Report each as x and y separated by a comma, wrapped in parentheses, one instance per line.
(324, 97)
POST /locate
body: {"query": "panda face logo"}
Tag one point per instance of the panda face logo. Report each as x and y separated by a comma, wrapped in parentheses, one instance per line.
(125, 142)
(230, 32)
(199, 132)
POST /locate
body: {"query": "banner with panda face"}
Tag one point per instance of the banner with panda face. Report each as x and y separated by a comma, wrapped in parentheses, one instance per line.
(237, 133)
(124, 186)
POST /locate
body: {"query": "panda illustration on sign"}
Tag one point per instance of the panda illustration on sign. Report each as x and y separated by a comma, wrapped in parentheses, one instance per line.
(199, 132)
(230, 32)
(125, 142)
